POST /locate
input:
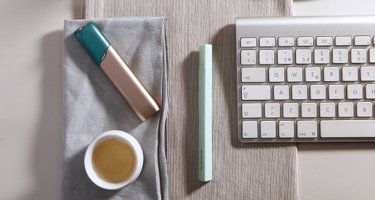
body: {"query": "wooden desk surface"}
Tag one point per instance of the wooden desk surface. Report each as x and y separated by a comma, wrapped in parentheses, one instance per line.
(240, 171)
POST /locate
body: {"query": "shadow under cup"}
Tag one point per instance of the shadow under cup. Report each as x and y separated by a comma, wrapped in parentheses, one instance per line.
(129, 141)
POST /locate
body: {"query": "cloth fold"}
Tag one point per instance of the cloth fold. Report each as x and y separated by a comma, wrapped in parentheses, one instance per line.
(92, 105)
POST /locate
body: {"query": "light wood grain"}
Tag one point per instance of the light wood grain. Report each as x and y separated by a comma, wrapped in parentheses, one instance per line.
(240, 171)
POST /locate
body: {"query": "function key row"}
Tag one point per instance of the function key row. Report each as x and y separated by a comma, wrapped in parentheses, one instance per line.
(360, 40)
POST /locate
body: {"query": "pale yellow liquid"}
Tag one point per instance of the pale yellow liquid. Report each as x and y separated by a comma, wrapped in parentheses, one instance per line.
(113, 160)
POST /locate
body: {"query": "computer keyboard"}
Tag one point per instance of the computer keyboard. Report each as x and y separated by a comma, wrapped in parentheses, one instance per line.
(306, 79)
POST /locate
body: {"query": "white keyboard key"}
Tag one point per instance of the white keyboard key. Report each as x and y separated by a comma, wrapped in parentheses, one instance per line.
(286, 41)
(359, 55)
(312, 74)
(321, 56)
(362, 40)
(305, 41)
(285, 57)
(368, 73)
(364, 109)
(276, 74)
(249, 129)
(266, 57)
(347, 128)
(327, 110)
(372, 55)
(251, 110)
(303, 56)
(281, 92)
(343, 41)
(336, 91)
(354, 91)
(268, 129)
(308, 109)
(294, 74)
(370, 91)
(256, 92)
(248, 42)
(318, 92)
(253, 75)
(267, 42)
(307, 129)
(286, 129)
(248, 57)
(331, 74)
(346, 109)
(272, 110)
(299, 92)
(350, 74)
(340, 56)
(290, 110)
(324, 41)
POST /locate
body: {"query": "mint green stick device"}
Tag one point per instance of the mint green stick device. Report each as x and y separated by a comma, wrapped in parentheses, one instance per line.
(205, 113)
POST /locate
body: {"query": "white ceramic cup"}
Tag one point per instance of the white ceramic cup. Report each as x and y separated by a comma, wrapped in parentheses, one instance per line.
(137, 150)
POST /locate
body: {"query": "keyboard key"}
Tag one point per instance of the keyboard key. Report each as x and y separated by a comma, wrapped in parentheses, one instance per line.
(303, 56)
(331, 74)
(248, 57)
(248, 42)
(346, 109)
(350, 74)
(368, 73)
(370, 91)
(256, 92)
(268, 129)
(249, 129)
(285, 57)
(363, 40)
(286, 41)
(281, 92)
(299, 92)
(272, 110)
(294, 74)
(347, 128)
(266, 57)
(359, 55)
(290, 110)
(318, 92)
(364, 109)
(305, 41)
(336, 91)
(251, 110)
(372, 55)
(308, 109)
(276, 74)
(324, 41)
(343, 41)
(327, 110)
(321, 56)
(307, 129)
(312, 74)
(267, 42)
(253, 75)
(286, 129)
(340, 56)
(354, 91)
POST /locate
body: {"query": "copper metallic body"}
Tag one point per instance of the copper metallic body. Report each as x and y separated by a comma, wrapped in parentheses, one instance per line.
(128, 85)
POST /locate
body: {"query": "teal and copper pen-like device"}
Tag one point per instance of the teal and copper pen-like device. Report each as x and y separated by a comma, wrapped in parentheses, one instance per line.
(104, 55)
(205, 113)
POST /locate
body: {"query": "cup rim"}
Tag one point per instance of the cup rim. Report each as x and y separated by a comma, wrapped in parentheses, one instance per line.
(134, 145)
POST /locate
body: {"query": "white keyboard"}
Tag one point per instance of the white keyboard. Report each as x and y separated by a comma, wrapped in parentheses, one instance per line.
(306, 79)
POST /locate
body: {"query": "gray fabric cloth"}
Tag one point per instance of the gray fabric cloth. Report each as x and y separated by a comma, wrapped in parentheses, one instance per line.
(92, 105)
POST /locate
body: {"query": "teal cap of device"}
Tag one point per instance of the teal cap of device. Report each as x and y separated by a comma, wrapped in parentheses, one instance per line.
(93, 40)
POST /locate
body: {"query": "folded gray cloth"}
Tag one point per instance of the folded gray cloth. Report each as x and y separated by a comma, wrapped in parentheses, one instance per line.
(92, 105)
